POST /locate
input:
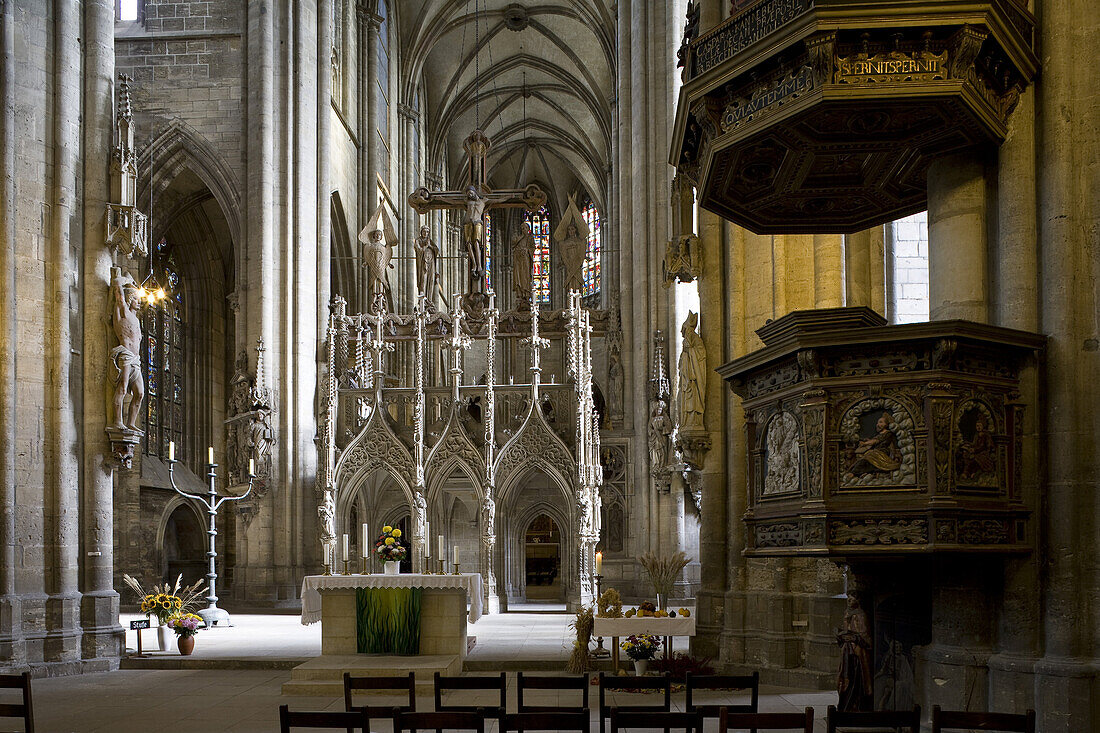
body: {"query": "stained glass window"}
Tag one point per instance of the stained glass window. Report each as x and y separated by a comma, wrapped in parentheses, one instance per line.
(591, 271)
(539, 222)
(163, 357)
(488, 253)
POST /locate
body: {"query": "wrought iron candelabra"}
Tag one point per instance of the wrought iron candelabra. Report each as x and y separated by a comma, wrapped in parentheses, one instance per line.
(211, 615)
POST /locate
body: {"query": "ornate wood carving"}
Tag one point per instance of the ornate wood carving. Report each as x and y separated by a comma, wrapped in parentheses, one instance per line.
(908, 437)
(793, 122)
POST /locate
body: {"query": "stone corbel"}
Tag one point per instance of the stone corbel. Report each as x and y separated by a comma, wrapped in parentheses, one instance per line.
(693, 445)
(123, 442)
(683, 259)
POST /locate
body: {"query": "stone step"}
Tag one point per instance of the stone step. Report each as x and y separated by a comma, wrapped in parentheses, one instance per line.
(323, 675)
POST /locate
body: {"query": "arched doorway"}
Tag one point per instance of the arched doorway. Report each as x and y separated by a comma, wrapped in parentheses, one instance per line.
(543, 560)
(184, 546)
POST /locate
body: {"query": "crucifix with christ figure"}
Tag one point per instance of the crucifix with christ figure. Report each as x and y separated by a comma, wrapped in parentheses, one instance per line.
(475, 201)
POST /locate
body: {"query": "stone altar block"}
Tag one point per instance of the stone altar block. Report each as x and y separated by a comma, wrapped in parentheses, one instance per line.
(443, 613)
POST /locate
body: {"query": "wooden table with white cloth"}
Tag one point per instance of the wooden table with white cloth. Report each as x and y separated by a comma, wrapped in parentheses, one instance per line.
(666, 628)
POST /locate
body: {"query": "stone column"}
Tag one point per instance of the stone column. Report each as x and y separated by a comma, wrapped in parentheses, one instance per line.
(257, 275)
(311, 555)
(103, 637)
(1068, 145)
(12, 646)
(60, 526)
(299, 451)
(957, 237)
(864, 269)
(714, 525)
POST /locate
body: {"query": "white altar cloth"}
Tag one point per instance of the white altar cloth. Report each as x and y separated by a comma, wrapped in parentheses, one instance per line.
(312, 586)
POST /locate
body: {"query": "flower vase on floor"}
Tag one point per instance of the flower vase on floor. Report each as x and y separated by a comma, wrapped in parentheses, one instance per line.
(391, 567)
(640, 666)
(186, 645)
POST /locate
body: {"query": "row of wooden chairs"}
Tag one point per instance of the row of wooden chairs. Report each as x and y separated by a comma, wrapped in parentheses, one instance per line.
(658, 715)
(631, 720)
(498, 686)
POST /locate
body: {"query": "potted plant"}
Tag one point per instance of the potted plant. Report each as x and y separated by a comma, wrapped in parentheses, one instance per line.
(186, 626)
(166, 601)
(641, 648)
(389, 550)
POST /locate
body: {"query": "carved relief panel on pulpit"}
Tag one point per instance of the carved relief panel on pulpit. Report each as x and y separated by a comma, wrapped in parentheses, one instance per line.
(871, 439)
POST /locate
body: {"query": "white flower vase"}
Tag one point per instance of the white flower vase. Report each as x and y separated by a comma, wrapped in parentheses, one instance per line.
(640, 666)
(164, 637)
(391, 567)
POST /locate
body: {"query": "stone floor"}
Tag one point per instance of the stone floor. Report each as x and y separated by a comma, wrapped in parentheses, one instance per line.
(227, 698)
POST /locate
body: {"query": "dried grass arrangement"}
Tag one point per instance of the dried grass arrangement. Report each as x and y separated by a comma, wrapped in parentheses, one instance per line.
(663, 570)
(165, 601)
(579, 663)
(609, 604)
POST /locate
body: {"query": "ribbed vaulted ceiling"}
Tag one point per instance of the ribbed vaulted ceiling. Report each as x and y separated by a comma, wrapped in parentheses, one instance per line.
(543, 95)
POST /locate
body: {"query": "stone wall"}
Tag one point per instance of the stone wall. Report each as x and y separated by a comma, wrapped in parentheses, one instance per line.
(907, 269)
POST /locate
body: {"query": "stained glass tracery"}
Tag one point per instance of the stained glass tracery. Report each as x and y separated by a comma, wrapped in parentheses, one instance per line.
(591, 270)
(539, 221)
(164, 378)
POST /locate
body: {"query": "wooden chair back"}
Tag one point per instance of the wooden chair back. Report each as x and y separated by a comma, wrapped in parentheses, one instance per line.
(693, 683)
(609, 683)
(893, 719)
(1004, 722)
(546, 719)
(399, 682)
(548, 682)
(23, 710)
(494, 683)
(731, 721)
(440, 720)
(631, 720)
(354, 721)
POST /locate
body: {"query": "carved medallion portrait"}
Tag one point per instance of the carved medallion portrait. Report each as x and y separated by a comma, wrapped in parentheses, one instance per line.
(976, 450)
(878, 445)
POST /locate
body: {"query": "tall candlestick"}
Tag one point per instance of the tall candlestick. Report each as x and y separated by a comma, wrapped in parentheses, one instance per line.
(455, 559)
(171, 450)
(344, 543)
(210, 455)
(599, 563)
(364, 540)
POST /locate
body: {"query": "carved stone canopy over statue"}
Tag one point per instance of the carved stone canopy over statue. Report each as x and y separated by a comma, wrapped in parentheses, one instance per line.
(125, 363)
(379, 239)
(427, 271)
(571, 238)
(693, 375)
(475, 201)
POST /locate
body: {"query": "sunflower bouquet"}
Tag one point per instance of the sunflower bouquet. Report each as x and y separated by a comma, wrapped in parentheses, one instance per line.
(387, 547)
(641, 646)
(186, 624)
(166, 601)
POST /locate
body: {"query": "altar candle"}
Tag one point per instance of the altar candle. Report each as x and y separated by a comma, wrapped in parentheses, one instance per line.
(251, 466)
(439, 546)
(427, 541)
(326, 553)
(455, 560)
(364, 540)
(210, 455)
(599, 563)
(344, 543)
(171, 450)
